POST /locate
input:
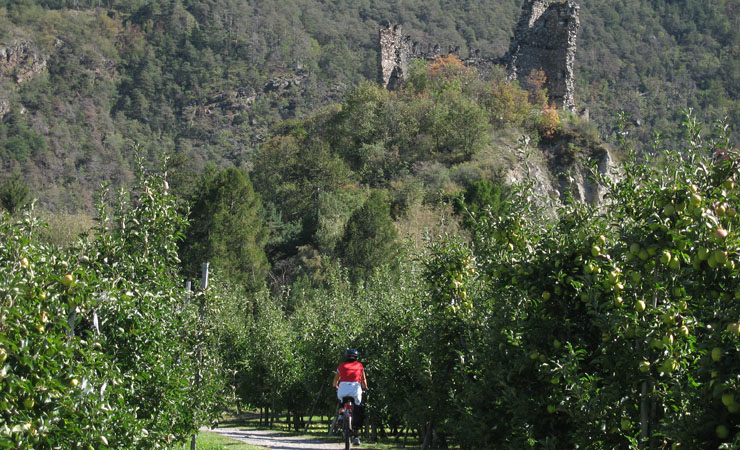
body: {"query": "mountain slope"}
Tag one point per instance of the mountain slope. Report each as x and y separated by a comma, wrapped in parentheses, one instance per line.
(206, 81)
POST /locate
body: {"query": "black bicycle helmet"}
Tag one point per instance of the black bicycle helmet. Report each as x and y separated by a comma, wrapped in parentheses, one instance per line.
(351, 354)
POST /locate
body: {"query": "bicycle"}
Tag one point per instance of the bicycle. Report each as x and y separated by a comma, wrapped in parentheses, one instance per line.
(346, 418)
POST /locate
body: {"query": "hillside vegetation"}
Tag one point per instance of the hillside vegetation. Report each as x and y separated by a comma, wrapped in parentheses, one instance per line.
(206, 82)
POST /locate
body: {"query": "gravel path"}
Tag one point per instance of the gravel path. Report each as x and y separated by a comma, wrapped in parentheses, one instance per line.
(271, 439)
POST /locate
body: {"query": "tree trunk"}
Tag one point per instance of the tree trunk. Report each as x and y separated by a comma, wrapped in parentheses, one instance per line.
(428, 437)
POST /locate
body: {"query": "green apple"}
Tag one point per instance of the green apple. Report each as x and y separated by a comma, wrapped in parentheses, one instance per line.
(702, 253)
(720, 257)
(670, 365)
(683, 331)
(551, 409)
(556, 344)
(695, 200)
(612, 276)
(634, 249)
(674, 263)
(3, 355)
(668, 340)
(545, 295)
(640, 305)
(728, 399)
(601, 240)
(669, 318)
(716, 354)
(668, 210)
(665, 257)
(644, 366)
(722, 431)
(28, 403)
(636, 277)
(643, 255)
(595, 251)
(618, 301)
(68, 280)
(625, 423)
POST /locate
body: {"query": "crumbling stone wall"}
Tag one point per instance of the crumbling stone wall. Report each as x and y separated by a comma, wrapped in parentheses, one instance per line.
(544, 39)
(395, 54)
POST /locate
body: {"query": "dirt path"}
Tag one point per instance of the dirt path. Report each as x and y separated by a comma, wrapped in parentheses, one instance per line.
(271, 439)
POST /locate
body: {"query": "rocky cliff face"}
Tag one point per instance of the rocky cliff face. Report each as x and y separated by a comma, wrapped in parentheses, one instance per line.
(561, 166)
(20, 61)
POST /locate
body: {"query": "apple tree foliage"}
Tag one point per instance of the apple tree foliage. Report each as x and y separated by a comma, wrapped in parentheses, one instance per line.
(616, 326)
(97, 339)
(553, 326)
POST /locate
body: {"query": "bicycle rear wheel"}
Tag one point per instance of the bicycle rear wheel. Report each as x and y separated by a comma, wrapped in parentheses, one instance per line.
(347, 431)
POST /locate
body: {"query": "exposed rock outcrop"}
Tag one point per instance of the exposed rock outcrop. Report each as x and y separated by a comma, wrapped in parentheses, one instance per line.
(21, 61)
(561, 167)
(4, 107)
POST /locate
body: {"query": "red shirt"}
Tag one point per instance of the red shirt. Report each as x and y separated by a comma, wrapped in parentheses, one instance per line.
(350, 371)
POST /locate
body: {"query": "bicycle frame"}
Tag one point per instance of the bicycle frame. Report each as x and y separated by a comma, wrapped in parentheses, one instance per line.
(348, 405)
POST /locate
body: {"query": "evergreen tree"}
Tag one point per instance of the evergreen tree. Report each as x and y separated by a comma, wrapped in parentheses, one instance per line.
(14, 194)
(370, 238)
(226, 229)
(478, 198)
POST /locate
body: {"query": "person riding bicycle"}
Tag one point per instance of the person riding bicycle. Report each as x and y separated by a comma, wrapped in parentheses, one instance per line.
(350, 381)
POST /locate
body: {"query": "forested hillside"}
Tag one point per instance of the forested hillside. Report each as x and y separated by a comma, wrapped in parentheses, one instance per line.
(206, 82)
(515, 275)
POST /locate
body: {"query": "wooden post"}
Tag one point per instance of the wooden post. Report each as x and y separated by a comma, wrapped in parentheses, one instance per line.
(313, 408)
(202, 311)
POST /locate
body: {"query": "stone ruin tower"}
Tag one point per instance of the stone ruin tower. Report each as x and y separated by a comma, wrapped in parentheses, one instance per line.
(544, 39)
(394, 57)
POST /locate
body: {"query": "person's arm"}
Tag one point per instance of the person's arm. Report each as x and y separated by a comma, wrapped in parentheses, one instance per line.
(335, 383)
(363, 381)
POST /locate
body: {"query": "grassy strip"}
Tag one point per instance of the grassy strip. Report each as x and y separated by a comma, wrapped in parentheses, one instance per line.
(208, 440)
(317, 432)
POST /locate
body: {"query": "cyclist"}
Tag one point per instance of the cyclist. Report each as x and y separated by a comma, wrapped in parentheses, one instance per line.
(350, 381)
